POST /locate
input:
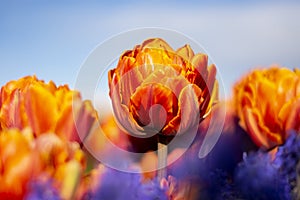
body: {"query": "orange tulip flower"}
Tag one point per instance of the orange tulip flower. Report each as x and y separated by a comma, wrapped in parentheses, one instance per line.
(24, 159)
(62, 160)
(18, 163)
(114, 133)
(44, 107)
(153, 73)
(268, 104)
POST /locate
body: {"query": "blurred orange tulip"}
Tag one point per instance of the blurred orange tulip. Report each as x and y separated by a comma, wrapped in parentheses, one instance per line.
(268, 104)
(62, 160)
(18, 163)
(114, 133)
(25, 159)
(29, 102)
(153, 73)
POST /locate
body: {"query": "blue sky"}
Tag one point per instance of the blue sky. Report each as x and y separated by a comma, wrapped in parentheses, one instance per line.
(52, 40)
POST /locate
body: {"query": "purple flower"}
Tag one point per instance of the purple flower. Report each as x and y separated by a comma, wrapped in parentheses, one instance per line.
(220, 187)
(287, 158)
(257, 177)
(42, 189)
(225, 155)
(117, 185)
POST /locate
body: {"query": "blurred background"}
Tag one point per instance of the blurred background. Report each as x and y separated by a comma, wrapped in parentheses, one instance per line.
(52, 39)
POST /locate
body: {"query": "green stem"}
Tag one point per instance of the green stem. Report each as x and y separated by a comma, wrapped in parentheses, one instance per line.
(162, 151)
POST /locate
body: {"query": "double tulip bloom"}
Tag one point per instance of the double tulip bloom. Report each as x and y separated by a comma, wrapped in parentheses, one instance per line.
(268, 104)
(40, 128)
(155, 89)
(44, 107)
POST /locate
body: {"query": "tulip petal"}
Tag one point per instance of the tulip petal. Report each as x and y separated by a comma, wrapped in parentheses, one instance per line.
(258, 132)
(290, 115)
(294, 118)
(213, 99)
(125, 65)
(65, 125)
(200, 61)
(168, 77)
(145, 69)
(122, 113)
(189, 107)
(12, 113)
(128, 84)
(186, 52)
(70, 176)
(210, 90)
(153, 58)
(146, 97)
(287, 81)
(112, 79)
(212, 71)
(41, 109)
(188, 114)
(76, 120)
(266, 94)
(86, 117)
(156, 43)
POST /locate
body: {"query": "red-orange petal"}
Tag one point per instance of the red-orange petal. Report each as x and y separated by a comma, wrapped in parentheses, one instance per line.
(147, 96)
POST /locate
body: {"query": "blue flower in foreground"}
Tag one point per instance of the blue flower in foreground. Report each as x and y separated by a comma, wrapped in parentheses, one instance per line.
(287, 158)
(225, 155)
(222, 187)
(258, 178)
(117, 185)
(42, 189)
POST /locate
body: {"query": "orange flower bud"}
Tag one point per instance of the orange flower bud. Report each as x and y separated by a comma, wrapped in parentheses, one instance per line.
(154, 74)
(268, 104)
(44, 107)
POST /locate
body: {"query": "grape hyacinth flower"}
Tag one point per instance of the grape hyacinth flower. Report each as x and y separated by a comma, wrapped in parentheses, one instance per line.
(222, 187)
(117, 185)
(42, 189)
(258, 178)
(287, 158)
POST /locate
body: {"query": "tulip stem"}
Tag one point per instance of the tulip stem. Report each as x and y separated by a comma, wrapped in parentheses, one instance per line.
(162, 151)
